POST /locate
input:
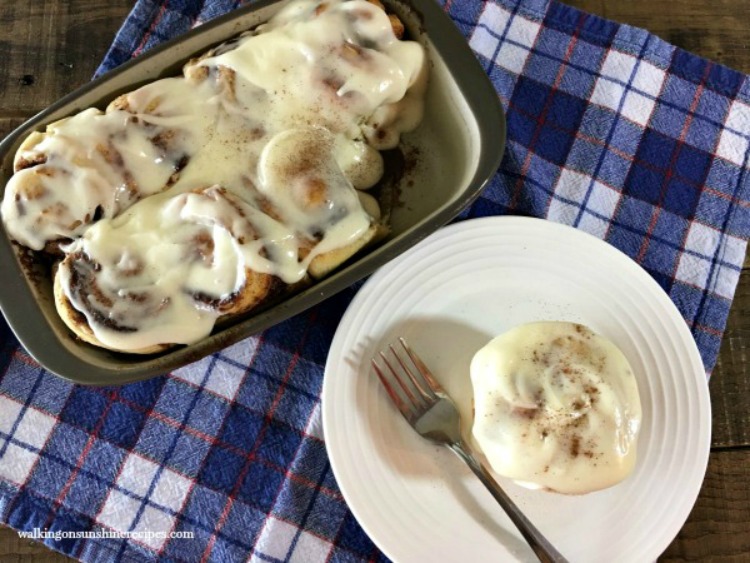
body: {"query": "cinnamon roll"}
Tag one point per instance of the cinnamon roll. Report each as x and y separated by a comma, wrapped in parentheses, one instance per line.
(556, 407)
(166, 269)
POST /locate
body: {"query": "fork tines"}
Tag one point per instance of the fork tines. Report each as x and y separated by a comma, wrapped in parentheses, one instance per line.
(417, 386)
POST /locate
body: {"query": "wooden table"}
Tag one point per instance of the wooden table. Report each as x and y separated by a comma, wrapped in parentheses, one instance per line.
(50, 47)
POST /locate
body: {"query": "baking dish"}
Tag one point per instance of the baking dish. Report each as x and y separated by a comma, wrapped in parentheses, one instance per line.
(459, 146)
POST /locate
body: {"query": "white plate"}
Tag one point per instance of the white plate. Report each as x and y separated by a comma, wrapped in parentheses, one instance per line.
(448, 296)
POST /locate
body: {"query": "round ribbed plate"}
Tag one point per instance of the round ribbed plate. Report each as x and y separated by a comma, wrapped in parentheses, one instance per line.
(448, 296)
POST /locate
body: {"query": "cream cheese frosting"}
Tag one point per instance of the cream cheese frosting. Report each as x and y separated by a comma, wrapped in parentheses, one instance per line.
(556, 407)
(258, 151)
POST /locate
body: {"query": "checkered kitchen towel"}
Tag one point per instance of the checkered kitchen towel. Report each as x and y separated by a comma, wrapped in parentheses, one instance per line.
(610, 129)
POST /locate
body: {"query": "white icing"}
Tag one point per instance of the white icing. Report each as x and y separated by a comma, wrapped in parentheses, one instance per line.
(556, 406)
(258, 148)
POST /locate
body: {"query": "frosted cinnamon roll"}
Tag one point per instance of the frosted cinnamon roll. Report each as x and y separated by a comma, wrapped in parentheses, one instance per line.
(556, 407)
(167, 267)
(81, 169)
(305, 186)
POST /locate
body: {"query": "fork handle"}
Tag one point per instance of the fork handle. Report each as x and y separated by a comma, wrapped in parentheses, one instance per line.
(542, 548)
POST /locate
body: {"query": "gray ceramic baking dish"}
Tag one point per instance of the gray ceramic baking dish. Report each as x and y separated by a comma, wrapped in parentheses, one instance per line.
(460, 144)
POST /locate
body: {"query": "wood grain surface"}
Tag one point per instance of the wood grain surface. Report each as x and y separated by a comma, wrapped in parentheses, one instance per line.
(50, 47)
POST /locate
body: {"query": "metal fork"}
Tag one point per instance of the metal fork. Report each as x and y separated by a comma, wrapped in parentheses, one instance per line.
(433, 414)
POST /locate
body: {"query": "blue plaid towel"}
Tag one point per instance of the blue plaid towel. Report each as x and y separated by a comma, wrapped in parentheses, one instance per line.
(610, 129)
